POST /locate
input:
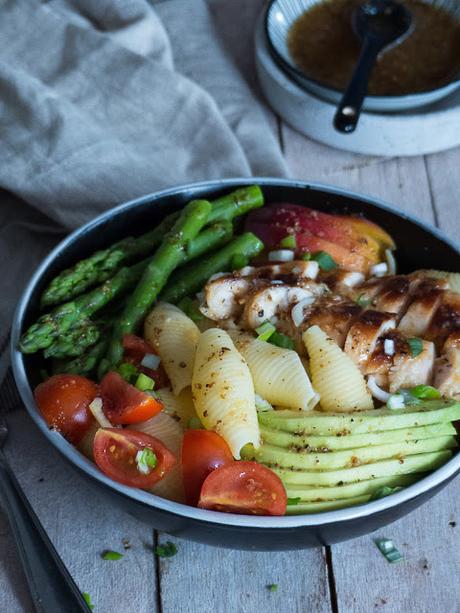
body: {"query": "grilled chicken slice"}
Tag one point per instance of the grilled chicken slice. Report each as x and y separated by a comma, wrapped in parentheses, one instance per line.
(452, 342)
(224, 297)
(362, 338)
(291, 273)
(447, 373)
(394, 295)
(342, 282)
(335, 316)
(426, 299)
(391, 344)
(271, 302)
(446, 319)
(408, 371)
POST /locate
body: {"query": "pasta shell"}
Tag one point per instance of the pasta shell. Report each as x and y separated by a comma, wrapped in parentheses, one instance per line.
(335, 376)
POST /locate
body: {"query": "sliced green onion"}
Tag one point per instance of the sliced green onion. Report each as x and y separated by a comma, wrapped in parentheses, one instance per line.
(262, 405)
(111, 555)
(386, 490)
(293, 501)
(166, 551)
(195, 424)
(145, 383)
(387, 548)
(190, 308)
(325, 261)
(265, 331)
(363, 301)
(416, 346)
(239, 261)
(273, 587)
(146, 460)
(87, 599)
(306, 257)
(425, 392)
(281, 340)
(396, 401)
(127, 371)
(289, 242)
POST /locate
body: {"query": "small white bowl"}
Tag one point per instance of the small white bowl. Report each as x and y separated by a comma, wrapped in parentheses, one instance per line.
(279, 17)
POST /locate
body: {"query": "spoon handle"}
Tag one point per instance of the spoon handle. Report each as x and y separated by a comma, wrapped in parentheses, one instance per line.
(51, 586)
(349, 109)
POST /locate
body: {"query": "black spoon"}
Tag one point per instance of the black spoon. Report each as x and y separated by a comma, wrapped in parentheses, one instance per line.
(378, 24)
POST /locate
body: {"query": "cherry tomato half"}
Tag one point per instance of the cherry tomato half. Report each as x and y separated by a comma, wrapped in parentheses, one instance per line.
(123, 403)
(246, 488)
(202, 452)
(135, 349)
(63, 401)
(115, 452)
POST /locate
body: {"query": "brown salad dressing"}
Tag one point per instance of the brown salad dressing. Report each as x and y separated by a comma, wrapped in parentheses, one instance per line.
(323, 45)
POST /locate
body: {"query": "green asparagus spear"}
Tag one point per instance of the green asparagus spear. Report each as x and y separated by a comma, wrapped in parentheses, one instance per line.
(191, 279)
(168, 257)
(84, 364)
(75, 342)
(52, 325)
(105, 263)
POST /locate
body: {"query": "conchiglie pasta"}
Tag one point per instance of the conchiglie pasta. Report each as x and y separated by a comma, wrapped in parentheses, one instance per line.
(223, 391)
(174, 336)
(335, 376)
(278, 374)
(179, 407)
(170, 433)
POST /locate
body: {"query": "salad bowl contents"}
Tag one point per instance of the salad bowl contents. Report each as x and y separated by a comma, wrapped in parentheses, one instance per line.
(252, 358)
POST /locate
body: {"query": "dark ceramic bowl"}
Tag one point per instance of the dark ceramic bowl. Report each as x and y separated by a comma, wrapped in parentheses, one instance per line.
(420, 246)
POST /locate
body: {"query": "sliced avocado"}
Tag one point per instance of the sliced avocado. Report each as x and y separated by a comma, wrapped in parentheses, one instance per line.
(280, 456)
(353, 441)
(318, 423)
(307, 493)
(328, 505)
(419, 463)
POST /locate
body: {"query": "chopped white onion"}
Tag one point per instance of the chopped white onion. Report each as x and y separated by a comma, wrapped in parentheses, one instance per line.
(379, 270)
(396, 401)
(218, 275)
(297, 310)
(390, 261)
(389, 346)
(96, 409)
(281, 255)
(353, 278)
(376, 391)
(262, 404)
(247, 270)
(150, 360)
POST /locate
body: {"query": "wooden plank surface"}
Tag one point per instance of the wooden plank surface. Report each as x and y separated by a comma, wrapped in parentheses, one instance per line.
(430, 537)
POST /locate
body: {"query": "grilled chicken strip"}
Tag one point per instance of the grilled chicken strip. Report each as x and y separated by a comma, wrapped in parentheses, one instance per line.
(447, 373)
(426, 299)
(394, 295)
(446, 319)
(335, 316)
(362, 338)
(271, 302)
(408, 371)
(342, 282)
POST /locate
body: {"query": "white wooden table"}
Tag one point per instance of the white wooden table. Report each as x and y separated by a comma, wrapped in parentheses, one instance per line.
(351, 577)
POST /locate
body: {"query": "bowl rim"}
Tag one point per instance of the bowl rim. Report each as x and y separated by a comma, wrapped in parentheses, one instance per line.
(292, 68)
(72, 455)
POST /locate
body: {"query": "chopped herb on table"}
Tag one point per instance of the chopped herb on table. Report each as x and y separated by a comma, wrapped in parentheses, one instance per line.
(166, 551)
(87, 598)
(111, 555)
(388, 549)
(273, 587)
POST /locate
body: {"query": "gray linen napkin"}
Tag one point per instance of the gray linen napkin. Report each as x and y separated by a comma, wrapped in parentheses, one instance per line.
(104, 101)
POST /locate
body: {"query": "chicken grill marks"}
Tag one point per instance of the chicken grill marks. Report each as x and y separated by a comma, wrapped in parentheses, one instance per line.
(400, 307)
